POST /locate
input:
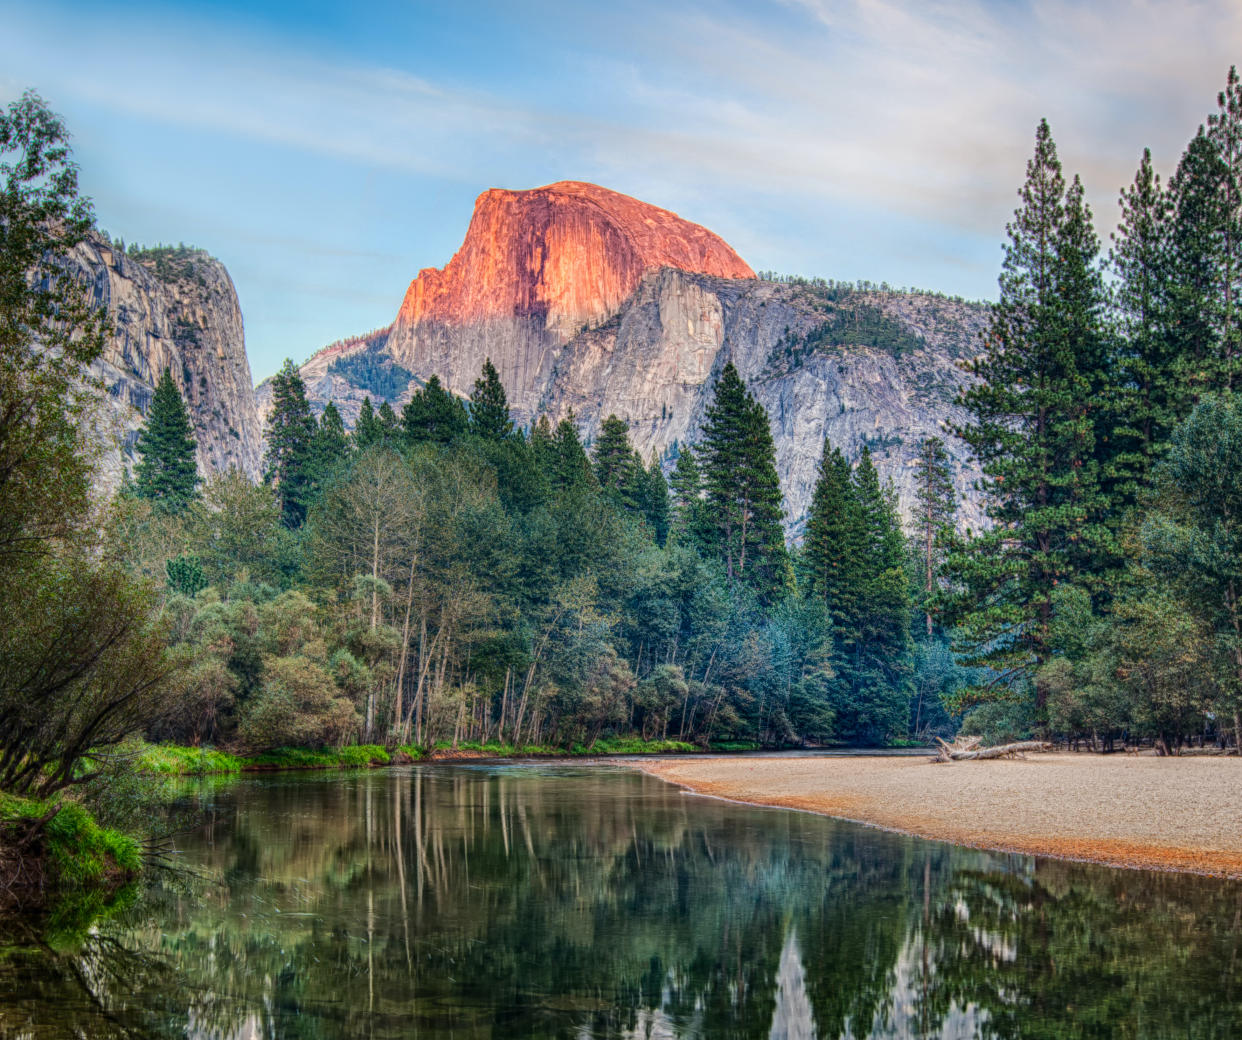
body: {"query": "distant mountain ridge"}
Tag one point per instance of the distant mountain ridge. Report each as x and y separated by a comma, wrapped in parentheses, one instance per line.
(589, 300)
(585, 300)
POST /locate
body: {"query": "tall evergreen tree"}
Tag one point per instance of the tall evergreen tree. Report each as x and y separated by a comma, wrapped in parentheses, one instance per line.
(1032, 430)
(1205, 253)
(167, 471)
(1146, 387)
(615, 463)
(329, 447)
(368, 430)
(686, 485)
(655, 499)
(1225, 134)
(434, 414)
(882, 639)
(571, 469)
(290, 439)
(489, 406)
(935, 511)
(389, 424)
(833, 550)
(743, 511)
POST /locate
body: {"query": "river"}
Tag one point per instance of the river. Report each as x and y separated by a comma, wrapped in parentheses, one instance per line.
(585, 902)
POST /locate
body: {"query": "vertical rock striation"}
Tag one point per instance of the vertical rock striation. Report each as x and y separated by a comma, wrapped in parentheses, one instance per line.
(174, 309)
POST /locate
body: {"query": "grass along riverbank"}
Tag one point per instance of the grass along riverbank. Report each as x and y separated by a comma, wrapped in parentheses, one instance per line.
(175, 760)
(54, 855)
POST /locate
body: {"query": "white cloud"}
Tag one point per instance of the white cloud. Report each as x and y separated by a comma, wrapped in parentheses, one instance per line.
(920, 108)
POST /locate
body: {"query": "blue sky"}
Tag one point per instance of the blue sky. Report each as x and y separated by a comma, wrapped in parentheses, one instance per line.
(327, 152)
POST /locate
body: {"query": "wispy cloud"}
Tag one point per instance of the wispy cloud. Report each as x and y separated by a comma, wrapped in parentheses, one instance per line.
(885, 137)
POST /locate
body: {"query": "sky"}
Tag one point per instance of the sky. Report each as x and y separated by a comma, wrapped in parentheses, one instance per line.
(327, 152)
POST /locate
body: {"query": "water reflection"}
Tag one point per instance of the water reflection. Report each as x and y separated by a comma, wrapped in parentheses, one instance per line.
(576, 904)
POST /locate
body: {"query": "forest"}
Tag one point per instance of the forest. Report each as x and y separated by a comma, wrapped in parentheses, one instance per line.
(442, 576)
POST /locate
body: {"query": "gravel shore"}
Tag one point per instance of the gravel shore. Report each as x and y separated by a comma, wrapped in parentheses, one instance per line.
(1124, 810)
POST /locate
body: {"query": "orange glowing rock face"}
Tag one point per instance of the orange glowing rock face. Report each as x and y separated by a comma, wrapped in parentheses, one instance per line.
(567, 254)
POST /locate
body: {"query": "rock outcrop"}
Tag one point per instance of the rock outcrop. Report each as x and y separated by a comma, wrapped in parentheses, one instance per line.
(798, 348)
(172, 309)
(536, 268)
(588, 300)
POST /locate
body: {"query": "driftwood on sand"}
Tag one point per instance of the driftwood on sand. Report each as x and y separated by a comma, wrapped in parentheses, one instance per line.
(965, 748)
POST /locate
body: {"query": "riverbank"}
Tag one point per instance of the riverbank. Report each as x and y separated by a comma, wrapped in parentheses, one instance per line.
(1122, 810)
(174, 760)
(53, 852)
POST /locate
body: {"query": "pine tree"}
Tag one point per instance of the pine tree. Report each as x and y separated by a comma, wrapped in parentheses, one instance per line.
(614, 459)
(571, 469)
(655, 499)
(1224, 132)
(1205, 254)
(935, 511)
(329, 447)
(434, 414)
(686, 485)
(881, 665)
(1032, 430)
(167, 471)
(368, 430)
(389, 424)
(743, 509)
(618, 468)
(835, 538)
(542, 443)
(290, 438)
(1146, 388)
(489, 407)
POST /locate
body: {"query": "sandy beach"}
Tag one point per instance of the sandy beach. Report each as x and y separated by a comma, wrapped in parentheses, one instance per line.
(1124, 810)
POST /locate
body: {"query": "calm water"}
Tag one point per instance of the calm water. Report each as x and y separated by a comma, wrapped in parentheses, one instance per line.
(580, 903)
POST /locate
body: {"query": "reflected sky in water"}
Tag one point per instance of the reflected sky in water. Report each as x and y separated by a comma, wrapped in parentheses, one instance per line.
(583, 903)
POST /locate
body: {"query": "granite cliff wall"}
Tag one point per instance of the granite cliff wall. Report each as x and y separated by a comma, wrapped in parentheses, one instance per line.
(174, 309)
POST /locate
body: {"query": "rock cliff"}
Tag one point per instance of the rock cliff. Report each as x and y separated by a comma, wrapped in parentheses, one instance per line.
(862, 367)
(171, 308)
(588, 300)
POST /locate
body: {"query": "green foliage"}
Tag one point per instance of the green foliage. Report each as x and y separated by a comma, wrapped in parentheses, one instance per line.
(167, 470)
(169, 263)
(375, 373)
(78, 852)
(935, 513)
(329, 448)
(434, 414)
(1031, 429)
(185, 575)
(616, 469)
(290, 435)
(1193, 540)
(489, 406)
(173, 760)
(352, 756)
(743, 509)
(853, 321)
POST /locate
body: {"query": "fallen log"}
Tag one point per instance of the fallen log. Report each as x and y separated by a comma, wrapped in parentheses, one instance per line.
(951, 753)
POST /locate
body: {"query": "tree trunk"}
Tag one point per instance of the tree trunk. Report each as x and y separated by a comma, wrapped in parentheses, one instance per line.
(948, 753)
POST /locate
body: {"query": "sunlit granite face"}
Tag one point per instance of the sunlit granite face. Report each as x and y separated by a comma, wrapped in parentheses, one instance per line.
(566, 254)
